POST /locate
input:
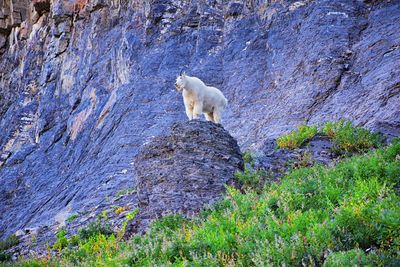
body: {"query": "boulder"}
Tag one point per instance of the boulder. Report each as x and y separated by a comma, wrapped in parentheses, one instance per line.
(185, 170)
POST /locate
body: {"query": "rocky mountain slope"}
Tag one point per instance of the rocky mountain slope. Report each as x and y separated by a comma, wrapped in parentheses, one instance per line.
(86, 83)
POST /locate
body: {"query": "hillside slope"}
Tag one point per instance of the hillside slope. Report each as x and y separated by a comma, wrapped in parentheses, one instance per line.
(84, 84)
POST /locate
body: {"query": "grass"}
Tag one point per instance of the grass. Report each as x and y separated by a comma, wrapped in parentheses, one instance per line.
(345, 215)
(353, 257)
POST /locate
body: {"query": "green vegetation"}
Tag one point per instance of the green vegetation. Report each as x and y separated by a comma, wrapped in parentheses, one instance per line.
(98, 227)
(251, 178)
(353, 257)
(5, 244)
(9, 242)
(62, 241)
(330, 128)
(346, 138)
(349, 139)
(248, 158)
(72, 218)
(313, 212)
(129, 217)
(126, 191)
(296, 139)
(345, 215)
(118, 210)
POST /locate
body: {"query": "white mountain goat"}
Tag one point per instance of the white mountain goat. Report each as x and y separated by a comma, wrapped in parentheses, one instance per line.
(200, 98)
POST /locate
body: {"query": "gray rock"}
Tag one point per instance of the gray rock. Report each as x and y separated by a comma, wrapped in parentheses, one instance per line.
(278, 162)
(184, 170)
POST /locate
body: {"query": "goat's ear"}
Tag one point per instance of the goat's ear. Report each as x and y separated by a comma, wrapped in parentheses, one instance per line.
(184, 74)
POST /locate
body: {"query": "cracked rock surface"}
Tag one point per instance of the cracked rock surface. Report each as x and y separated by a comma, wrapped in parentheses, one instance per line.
(85, 84)
(184, 170)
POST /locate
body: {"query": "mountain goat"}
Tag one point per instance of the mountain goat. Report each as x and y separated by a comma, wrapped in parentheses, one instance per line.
(200, 98)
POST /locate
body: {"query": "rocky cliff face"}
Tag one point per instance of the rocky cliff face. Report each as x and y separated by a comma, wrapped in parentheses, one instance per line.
(85, 83)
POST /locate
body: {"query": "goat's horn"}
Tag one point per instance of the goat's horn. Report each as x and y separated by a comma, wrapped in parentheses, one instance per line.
(180, 74)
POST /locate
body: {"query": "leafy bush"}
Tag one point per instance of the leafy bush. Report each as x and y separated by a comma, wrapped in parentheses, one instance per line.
(346, 138)
(62, 241)
(100, 226)
(248, 158)
(97, 250)
(349, 139)
(252, 180)
(72, 218)
(354, 257)
(9, 242)
(4, 256)
(296, 139)
(5, 244)
(129, 217)
(330, 128)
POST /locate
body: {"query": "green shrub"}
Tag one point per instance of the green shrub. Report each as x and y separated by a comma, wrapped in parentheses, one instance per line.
(330, 128)
(5, 244)
(62, 241)
(354, 257)
(4, 256)
(72, 218)
(97, 250)
(74, 240)
(9, 242)
(129, 217)
(100, 226)
(346, 138)
(252, 180)
(349, 139)
(248, 158)
(296, 139)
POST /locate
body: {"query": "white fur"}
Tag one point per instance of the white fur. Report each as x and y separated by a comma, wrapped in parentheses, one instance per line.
(200, 98)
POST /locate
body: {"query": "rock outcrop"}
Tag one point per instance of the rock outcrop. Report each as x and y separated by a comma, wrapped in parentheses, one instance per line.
(278, 161)
(84, 84)
(184, 170)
